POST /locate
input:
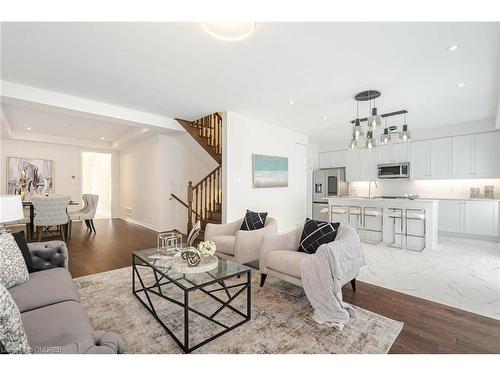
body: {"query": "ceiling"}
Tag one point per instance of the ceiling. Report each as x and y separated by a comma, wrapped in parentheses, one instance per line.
(178, 70)
(53, 123)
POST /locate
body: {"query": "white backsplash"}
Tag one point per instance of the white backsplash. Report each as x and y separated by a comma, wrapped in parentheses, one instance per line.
(425, 188)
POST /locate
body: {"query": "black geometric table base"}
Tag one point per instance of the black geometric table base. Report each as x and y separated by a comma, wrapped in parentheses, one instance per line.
(160, 280)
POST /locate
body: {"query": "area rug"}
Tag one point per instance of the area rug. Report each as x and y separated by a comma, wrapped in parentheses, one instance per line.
(281, 320)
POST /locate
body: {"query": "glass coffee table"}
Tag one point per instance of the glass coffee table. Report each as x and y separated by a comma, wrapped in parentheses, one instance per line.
(161, 289)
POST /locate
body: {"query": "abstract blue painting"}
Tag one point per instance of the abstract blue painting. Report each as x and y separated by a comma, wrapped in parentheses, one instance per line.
(269, 171)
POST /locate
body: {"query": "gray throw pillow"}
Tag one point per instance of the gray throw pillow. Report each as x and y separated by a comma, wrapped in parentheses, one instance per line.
(12, 335)
(13, 269)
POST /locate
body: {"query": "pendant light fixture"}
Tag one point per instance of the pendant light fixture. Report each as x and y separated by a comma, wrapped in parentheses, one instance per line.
(373, 123)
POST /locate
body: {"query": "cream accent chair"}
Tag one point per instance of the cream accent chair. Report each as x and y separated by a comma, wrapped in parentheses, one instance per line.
(87, 213)
(242, 246)
(279, 256)
(50, 211)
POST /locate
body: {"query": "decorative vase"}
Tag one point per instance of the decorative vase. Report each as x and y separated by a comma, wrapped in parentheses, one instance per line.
(192, 256)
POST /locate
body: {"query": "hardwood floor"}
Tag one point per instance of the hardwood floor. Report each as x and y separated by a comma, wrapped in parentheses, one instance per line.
(428, 327)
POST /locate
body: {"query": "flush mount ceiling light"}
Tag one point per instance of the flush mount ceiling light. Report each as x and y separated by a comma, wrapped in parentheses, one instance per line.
(452, 48)
(28, 128)
(229, 31)
(461, 84)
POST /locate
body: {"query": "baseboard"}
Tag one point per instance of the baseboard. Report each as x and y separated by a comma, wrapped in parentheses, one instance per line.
(469, 236)
(147, 225)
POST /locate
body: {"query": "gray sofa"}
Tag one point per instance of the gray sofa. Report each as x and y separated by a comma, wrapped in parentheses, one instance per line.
(53, 318)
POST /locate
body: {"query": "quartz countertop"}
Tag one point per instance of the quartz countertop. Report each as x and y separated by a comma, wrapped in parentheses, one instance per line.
(466, 199)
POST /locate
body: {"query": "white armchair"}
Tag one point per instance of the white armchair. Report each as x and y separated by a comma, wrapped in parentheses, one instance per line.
(279, 256)
(242, 246)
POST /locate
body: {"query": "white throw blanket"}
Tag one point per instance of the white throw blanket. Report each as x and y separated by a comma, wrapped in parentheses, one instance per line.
(322, 275)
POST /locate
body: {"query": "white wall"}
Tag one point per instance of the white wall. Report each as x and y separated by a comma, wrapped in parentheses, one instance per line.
(152, 170)
(243, 137)
(67, 166)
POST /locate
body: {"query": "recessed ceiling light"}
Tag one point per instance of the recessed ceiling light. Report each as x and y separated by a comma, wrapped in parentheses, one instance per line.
(452, 48)
(324, 117)
(230, 31)
(28, 128)
(291, 102)
(461, 84)
(102, 138)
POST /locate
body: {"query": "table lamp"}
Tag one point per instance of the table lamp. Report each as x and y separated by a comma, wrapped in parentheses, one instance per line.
(11, 209)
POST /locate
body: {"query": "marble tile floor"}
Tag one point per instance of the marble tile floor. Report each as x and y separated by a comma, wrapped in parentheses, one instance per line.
(461, 273)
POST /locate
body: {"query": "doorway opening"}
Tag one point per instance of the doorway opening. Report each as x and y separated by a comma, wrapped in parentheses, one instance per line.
(96, 179)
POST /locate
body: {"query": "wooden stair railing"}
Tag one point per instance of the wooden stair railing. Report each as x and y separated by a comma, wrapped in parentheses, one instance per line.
(207, 131)
(205, 199)
(173, 196)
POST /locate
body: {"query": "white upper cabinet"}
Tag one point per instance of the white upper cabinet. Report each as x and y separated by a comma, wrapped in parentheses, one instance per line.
(476, 156)
(487, 155)
(385, 154)
(332, 159)
(325, 160)
(353, 170)
(369, 168)
(463, 156)
(439, 156)
(419, 163)
(401, 152)
(396, 153)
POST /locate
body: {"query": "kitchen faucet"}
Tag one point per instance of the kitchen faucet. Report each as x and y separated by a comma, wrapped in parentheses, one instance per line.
(370, 188)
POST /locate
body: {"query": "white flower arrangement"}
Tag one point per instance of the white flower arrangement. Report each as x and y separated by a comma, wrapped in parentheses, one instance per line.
(207, 247)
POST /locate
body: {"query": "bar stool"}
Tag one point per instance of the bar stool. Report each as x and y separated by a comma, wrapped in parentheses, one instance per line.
(373, 212)
(395, 214)
(337, 210)
(358, 213)
(417, 215)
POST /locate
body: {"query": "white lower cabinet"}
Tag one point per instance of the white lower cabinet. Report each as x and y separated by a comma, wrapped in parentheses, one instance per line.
(475, 218)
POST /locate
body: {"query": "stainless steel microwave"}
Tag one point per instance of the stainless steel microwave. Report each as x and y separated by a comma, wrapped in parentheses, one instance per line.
(395, 170)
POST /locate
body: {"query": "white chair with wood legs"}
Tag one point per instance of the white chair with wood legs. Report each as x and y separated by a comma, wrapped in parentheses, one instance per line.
(50, 212)
(87, 213)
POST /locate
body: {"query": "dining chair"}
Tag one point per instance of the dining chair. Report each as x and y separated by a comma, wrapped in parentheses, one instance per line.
(50, 211)
(87, 213)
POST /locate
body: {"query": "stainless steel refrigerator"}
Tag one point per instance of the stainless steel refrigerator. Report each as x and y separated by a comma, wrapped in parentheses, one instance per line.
(327, 183)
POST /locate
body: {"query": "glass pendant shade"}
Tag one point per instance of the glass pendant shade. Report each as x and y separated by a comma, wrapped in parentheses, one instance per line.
(370, 141)
(405, 134)
(352, 144)
(385, 137)
(374, 121)
(357, 129)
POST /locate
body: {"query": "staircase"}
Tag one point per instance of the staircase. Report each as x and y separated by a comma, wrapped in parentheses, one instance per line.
(204, 199)
(207, 131)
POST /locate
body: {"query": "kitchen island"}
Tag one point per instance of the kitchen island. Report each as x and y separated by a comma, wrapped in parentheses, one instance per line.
(431, 207)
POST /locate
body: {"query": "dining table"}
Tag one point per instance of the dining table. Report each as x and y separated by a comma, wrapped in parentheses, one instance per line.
(29, 204)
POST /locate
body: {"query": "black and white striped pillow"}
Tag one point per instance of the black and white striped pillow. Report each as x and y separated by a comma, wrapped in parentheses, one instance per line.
(253, 220)
(315, 234)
